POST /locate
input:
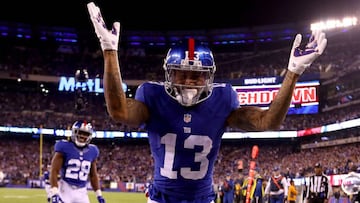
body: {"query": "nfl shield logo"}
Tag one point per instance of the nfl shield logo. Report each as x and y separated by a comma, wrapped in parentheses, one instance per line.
(187, 118)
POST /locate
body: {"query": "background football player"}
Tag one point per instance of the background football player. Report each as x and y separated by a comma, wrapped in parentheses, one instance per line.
(47, 187)
(75, 161)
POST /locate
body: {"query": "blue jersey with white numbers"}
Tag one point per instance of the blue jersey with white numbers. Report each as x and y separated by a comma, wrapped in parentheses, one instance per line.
(77, 162)
(185, 141)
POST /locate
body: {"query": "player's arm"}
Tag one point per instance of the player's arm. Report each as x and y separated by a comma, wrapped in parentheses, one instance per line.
(94, 177)
(256, 119)
(56, 164)
(124, 110)
(94, 181)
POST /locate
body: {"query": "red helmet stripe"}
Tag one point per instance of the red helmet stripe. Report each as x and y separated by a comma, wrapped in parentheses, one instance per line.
(191, 45)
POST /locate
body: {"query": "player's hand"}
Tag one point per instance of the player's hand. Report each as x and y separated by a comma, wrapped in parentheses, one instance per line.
(100, 199)
(56, 199)
(301, 58)
(109, 39)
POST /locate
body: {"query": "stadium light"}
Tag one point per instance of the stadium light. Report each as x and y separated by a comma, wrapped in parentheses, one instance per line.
(335, 23)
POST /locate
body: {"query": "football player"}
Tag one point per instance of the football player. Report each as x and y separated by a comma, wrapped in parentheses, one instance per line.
(46, 178)
(186, 115)
(75, 162)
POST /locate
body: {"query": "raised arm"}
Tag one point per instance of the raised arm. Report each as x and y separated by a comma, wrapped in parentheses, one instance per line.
(124, 110)
(256, 119)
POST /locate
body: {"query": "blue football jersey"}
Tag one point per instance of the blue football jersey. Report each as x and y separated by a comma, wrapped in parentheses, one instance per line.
(185, 141)
(77, 162)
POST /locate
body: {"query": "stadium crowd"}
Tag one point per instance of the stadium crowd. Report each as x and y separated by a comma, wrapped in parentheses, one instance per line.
(130, 160)
(23, 104)
(21, 57)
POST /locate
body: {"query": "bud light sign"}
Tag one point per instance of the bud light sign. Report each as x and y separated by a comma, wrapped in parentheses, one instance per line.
(68, 84)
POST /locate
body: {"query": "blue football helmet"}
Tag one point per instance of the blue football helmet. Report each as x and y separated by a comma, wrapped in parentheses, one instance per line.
(81, 133)
(189, 72)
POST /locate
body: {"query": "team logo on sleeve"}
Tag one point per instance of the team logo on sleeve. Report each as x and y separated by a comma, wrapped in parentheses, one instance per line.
(187, 118)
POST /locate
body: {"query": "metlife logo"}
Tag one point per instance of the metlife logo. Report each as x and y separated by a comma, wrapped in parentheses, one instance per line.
(68, 84)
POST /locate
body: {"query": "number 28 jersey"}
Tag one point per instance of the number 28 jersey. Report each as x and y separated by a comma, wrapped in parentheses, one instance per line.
(77, 162)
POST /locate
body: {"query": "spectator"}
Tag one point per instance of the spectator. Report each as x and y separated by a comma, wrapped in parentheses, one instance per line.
(292, 192)
(277, 187)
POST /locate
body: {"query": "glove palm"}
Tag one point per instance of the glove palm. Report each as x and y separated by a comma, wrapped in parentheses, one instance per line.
(301, 58)
(109, 39)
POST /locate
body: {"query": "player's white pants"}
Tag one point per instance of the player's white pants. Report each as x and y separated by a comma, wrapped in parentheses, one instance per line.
(48, 190)
(73, 194)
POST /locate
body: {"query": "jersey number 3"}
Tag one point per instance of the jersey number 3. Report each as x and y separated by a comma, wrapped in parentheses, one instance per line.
(169, 140)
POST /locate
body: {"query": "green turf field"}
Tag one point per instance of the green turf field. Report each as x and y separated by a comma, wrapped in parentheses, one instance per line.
(12, 195)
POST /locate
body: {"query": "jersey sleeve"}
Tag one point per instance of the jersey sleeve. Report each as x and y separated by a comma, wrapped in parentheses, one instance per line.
(234, 99)
(96, 151)
(59, 146)
(139, 95)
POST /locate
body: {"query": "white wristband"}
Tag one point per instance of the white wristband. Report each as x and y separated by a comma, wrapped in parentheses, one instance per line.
(54, 191)
(297, 69)
(108, 45)
(98, 192)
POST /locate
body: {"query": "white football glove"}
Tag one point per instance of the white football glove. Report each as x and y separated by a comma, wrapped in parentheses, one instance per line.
(301, 58)
(109, 39)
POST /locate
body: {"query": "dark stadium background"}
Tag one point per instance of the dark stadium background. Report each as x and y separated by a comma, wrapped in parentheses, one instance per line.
(170, 15)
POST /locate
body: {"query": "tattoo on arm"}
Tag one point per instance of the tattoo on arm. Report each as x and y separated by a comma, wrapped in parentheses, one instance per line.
(280, 105)
(256, 119)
